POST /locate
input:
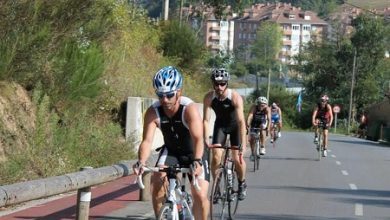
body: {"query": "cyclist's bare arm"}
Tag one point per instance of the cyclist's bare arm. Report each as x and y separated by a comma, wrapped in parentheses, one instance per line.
(280, 117)
(150, 125)
(250, 116)
(195, 127)
(313, 117)
(206, 116)
(239, 109)
(269, 119)
(330, 114)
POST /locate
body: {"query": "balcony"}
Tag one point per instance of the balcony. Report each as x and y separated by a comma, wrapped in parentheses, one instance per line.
(214, 37)
(215, 46)
(215, 28)
(287, 32)
(287, 42)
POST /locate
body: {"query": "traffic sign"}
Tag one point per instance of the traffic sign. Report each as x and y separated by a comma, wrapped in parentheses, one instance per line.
(336, 109)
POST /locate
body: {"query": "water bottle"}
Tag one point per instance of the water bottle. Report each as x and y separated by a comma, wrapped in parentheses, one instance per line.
(230, 177)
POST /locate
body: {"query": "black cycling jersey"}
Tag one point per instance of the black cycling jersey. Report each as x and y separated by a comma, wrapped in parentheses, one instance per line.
(226, 121)
(259, 118)
(177, 137)
(178, 145)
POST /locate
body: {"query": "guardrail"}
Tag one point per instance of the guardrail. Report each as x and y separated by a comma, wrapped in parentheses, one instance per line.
(37, 189)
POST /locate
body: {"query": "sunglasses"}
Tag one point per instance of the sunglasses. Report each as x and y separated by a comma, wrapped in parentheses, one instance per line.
(220, 84)
(169, 95)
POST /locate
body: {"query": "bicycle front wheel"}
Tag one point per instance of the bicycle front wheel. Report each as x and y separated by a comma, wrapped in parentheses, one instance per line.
(256, 156)
(233, 196)
(218, 198)
(319, 146)
(167, 213)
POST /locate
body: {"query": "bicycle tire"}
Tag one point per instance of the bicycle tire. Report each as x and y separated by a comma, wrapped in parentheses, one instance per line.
(256, 155)
(274, 137)
(166, 212)
(218, 193)
(233, 194)
(319, 145)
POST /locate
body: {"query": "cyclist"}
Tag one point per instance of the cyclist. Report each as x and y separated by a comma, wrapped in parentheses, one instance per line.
(322, 113)
(229, 110)
(181, 125)
(276, 118)
(258, 117)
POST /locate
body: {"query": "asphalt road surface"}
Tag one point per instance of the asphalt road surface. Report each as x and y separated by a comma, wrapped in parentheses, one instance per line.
(351, 183)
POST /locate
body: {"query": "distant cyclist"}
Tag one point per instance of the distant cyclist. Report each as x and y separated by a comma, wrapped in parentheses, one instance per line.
(276, 118)
(322, 113)
(228, 106)
(259, 117)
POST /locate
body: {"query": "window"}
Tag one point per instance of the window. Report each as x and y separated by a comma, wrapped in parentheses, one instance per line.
(291, 16)
(306, 27)
(295, 27)
(286, 27)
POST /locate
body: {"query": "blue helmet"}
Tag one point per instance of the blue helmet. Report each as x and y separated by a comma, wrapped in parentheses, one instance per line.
(167, 79)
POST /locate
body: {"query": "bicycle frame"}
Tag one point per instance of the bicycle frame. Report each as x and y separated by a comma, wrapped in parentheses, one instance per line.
(256, 133)
(321, 140)
(227, 174)
(176, 195)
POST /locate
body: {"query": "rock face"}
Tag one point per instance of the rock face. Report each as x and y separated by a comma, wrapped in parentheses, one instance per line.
(17, 118)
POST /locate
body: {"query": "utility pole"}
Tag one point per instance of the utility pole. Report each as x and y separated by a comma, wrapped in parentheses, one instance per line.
(351, 94)
(166, 9)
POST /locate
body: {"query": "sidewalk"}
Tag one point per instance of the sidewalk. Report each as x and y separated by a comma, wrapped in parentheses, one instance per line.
(114, 200)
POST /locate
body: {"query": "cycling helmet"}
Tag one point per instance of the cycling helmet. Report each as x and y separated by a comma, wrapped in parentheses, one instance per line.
(167, 79)
(220, 75)
(262, 100)
(325, 98)
(274, 105)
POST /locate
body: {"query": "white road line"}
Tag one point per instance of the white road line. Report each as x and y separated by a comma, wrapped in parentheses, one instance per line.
(334, 156)
(338, 162)
(359, 209)
(344, 172)
(352, 186)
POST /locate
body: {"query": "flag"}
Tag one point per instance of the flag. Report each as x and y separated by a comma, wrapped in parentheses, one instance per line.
(299, 101)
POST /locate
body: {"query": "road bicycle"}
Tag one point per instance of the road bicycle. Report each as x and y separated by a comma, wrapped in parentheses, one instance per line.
(320, 142)
(256, 134)
(224, 194)
(178, 203)
(274, 133)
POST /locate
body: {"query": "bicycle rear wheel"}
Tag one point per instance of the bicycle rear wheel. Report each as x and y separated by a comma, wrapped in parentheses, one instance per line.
(218, 198)
(166, 212)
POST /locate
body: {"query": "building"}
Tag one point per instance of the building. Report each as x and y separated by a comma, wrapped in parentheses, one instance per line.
(221, 36)
(298, 26)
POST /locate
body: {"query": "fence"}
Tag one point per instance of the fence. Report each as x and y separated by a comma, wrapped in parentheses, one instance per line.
(37, 189)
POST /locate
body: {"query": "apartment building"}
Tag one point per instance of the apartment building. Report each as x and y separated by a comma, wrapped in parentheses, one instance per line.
(233, 32)
(298, 26)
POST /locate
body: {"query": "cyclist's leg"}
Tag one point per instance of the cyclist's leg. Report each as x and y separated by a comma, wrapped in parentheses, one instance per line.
(239, 162)
(326, 134)
(252, 141)
(158, 181)
(316, 130)
(219, 137)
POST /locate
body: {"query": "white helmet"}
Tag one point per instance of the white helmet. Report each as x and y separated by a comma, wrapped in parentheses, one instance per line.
(262, 100)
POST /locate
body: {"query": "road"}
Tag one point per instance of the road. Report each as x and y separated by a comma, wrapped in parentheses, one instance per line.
(351, 183)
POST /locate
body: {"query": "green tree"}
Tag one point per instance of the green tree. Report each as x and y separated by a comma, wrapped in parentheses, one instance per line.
(266, 47)
(180, 42)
